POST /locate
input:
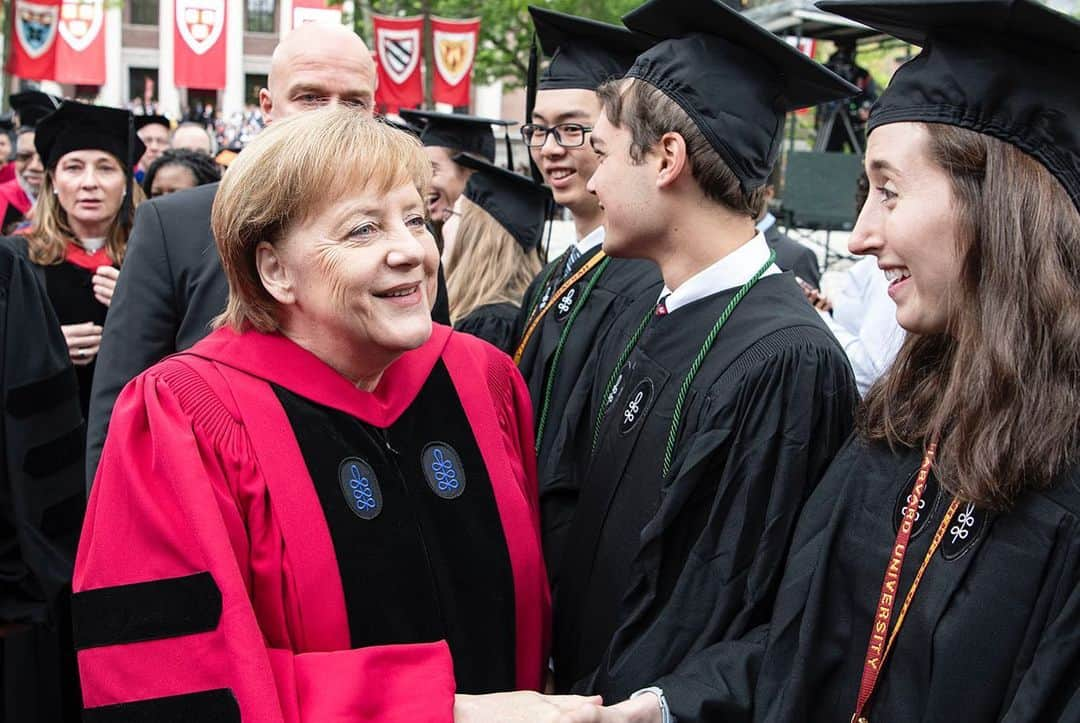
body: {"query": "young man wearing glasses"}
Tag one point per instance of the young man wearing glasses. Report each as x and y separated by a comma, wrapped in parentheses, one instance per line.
(572, 302)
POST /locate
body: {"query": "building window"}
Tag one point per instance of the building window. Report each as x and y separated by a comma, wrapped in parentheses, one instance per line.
(144, 12)
(253, 83)
(260, 16)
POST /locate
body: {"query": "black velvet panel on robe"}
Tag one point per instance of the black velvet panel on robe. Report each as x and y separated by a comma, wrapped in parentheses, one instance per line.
(494, 323)
(622, 281)
(72, 295)
(656, 572)
(420, 558)
(992, 634)
(41, 500)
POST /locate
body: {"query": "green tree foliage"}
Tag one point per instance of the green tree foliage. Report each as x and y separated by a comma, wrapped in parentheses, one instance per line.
(505, 27)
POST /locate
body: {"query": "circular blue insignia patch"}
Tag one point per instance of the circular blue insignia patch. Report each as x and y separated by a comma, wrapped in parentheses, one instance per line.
(360, 487)
(637, 403)
(443, 470)
(566, 304)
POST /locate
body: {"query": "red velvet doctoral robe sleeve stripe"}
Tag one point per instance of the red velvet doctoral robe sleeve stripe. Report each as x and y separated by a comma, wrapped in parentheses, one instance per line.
(180, 491)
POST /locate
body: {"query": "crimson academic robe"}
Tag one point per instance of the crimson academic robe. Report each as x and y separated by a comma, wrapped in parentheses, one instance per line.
(14, 204)
(265, 542)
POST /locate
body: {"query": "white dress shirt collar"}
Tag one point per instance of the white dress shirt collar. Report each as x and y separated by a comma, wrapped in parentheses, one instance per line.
(732, 271)
(767, 221)
(590, 240)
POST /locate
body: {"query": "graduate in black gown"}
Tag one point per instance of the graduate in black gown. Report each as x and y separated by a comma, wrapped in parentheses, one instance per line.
(82, 220)
(714, 414)
(495, 252)
(41, 501)
(974, 215)
(444, 136)
(575, 298)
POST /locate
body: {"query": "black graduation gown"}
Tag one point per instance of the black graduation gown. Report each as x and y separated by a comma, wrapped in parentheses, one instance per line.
(494, 323)
(658, 572)
(71, 292)
(620, 283)
(41, 500)
(993, 633)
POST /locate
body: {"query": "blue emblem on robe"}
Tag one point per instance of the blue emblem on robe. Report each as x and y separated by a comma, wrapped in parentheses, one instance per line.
(443, 470)
(360, 487)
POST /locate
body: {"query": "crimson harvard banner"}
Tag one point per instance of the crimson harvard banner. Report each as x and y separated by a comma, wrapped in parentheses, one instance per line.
(398, 51)
(33, 39)
(80, 53)
(455, 51)
(199, 44)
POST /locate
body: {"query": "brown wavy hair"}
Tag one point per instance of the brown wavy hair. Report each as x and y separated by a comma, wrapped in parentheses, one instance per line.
(486, 265)
(50, 233)
(1001, 387)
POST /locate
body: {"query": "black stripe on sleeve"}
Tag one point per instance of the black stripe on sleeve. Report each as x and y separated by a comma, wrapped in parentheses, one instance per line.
(53, 456)
(208, 706)
(42, 395)
(146, 611)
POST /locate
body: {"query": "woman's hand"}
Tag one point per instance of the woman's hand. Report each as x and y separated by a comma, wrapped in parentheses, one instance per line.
(519, 707)
(643, 709)
(104, 282)
(83, 341)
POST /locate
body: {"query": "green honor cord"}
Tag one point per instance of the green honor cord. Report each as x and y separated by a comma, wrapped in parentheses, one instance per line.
(695, 366)
(546, 406)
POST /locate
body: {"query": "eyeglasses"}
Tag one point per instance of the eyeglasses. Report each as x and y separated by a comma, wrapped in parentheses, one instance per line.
(25, 156)
(567, 135)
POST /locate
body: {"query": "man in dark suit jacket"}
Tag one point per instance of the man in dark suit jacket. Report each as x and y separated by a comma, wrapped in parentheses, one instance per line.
(790, 254)
(171, 285)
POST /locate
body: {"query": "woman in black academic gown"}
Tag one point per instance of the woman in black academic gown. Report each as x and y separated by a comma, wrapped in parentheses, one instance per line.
(494, 253)
(81, 221)
(935, 573)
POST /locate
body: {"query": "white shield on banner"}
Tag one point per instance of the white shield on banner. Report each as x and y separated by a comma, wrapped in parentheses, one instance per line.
(81, 21)
(35, 27)
(399, 52)
(200, 23)
(454, 54)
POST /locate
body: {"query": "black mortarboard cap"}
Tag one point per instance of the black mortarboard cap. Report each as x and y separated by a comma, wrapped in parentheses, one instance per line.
(734, 78)
(1006, 68)
(7, 122)
(401, 125)
(141, 121)
(78, 126)
(463, 133)
(518, 203)
(33, 105)
(584, 53)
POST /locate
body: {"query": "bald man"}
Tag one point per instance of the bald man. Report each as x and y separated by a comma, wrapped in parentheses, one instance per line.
(171, 285)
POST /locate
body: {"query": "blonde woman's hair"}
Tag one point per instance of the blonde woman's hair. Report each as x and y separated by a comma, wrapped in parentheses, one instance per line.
(50, 231)
(486, 265)
(294, 170)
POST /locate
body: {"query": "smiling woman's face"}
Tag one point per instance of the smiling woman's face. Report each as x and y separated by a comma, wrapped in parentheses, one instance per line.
(909, 223)
(363, 272)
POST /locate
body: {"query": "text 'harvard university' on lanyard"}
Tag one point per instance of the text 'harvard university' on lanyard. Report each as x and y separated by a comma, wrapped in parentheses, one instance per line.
(878, 649)
(563, 288)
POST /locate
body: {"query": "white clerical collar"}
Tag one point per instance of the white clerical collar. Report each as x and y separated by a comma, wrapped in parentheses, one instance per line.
(92, 245)
(732, 271)
(590, 240)
(767, 221)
